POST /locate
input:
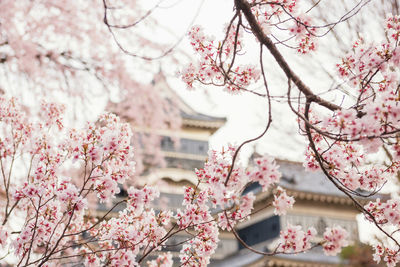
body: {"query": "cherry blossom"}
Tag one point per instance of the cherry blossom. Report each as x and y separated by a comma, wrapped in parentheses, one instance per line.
(214, 61)
(390, 256)
(55, 206)
(340, 141)
(294, 239)
(282, 202)
(265, 172)
(384, 212)
(335, 238)
(64, 51)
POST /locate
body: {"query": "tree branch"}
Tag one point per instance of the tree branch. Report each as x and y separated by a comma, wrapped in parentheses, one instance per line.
(245, 7)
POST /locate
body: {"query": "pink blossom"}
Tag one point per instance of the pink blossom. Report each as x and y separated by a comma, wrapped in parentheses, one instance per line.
(335, 238)
(265, 172)
(390, 256)
(282, 202)
(294, 239)
(213, 64)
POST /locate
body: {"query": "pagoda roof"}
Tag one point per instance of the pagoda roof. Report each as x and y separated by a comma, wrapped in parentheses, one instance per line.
(310, 186)
(190, 117)
(203, 121)
(296, 178)
(312, 258)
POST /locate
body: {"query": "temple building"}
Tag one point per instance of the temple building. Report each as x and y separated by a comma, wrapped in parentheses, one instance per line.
(318, 202)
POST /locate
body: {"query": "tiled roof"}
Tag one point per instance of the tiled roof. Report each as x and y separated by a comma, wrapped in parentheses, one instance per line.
(295, 177)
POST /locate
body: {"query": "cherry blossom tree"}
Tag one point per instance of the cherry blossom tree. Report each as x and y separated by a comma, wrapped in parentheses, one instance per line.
(342, 137)
(57, 225)
(48, 48)
(44, 212)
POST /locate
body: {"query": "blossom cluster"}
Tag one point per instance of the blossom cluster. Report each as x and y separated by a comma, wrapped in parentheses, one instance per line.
(135, 228)
(52, 199)
(217, 64)
(55, 47)
(294, 239)
(393, 26)
(334, 239)
(55, 201)
(344, 140)
(55, 205)
(215, 61)
(221, 185)
(279, 14)
(345, 161)
(282, 202)
(220, 191)
(390, 256)
(384, 212)
(265, 172)
(372, 70)
(107, 148)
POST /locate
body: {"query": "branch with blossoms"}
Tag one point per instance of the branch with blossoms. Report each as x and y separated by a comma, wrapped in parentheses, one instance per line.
(51, 200)
(339, 141)
(53, 207)
(51, 53)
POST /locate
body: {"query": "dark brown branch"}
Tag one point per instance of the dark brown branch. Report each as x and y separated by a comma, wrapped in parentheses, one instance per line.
(320, 162)
(244, 6)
